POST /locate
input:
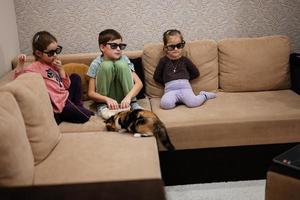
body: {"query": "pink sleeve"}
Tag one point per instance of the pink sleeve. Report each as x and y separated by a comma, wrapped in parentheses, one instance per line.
(66, 81)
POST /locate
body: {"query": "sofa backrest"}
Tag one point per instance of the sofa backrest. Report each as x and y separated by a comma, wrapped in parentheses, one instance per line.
(203, 53)
(16, 160)
(230, 64)
(254, 64)
(31, 94)
(82, 58)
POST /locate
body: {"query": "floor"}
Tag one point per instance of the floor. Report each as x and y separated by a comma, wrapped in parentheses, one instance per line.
(240, 190)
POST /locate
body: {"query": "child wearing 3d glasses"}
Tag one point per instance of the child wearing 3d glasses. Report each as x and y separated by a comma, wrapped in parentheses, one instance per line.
(113, 82)
(174, 71)
(65, 91)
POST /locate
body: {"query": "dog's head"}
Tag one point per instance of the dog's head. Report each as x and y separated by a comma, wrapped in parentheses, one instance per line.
(117, 122)
(110, 123)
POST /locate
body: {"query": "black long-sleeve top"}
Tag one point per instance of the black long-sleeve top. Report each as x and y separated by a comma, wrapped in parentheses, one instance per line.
(168, 70)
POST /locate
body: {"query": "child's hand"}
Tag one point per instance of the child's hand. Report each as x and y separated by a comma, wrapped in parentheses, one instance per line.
(112, 104)
(125, 102)
(21, 61)
(57, 63)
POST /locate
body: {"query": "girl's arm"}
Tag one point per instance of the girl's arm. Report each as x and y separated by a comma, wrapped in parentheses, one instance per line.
(60, 69)
(158, 74)
(192, 69)
(62, 73)
(138, 85)
(111, 103)
(20, 65)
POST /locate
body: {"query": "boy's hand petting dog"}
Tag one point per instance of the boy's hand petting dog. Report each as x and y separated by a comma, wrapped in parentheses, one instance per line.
(112, 104)
(125, 102)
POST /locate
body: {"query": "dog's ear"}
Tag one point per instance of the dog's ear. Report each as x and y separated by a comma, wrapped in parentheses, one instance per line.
(110, 120)
(109, 123)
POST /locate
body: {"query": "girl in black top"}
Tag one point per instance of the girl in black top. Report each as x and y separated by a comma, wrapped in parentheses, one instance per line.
(175, 71)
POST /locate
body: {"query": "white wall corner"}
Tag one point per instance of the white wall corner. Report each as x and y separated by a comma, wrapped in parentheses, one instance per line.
(9, 41)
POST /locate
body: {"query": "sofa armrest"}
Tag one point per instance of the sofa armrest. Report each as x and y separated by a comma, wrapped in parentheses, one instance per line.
(295, 72)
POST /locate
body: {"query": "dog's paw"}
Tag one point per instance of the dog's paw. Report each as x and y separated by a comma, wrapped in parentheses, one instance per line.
(137, 135)
(122, 131)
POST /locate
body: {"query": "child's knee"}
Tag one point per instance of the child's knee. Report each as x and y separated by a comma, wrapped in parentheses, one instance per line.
(194, 102)
(75, 80)
(75, 77)
(121, 65)
(164, 104)
(107, 65)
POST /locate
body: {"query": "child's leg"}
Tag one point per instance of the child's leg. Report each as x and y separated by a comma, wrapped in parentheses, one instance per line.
(190, 99)
(104, 79)
(125, 83)
(124, 80)
(75, 93)
(169, 100)
(73, 113)
(75, 89)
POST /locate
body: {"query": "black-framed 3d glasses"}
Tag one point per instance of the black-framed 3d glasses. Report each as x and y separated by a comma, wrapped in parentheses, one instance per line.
(121, 46)
(171, 47)
(52, 52)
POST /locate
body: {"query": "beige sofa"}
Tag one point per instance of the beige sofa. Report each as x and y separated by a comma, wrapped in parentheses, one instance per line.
(255, 109)
(41, 160)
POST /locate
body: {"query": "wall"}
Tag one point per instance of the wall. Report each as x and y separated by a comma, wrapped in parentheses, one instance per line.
(9, 42)
(76, 23)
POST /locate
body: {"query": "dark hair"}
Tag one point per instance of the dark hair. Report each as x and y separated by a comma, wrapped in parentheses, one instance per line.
(108, 35)
(169, 33)
(41, 40)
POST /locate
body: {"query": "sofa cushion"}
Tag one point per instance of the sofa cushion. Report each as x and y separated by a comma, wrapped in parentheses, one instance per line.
(99, 157)
(139, 70)
(31, 94)
(81, 70)
(203, 54)
(234, 119)
(254, 64)
(6, 78)
(16, 160)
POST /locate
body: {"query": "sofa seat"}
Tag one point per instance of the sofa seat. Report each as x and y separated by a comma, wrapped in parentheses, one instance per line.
(234, 119)
(99, 157)
(95, 123)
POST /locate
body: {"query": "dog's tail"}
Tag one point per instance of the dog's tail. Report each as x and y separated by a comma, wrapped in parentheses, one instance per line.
(160, 131)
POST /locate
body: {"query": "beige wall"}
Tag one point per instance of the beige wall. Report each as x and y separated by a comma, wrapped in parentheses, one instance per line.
(9, 42)
(76, 23)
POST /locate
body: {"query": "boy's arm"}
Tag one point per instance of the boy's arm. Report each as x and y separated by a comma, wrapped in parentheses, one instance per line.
(111, 103)
(138, 85)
